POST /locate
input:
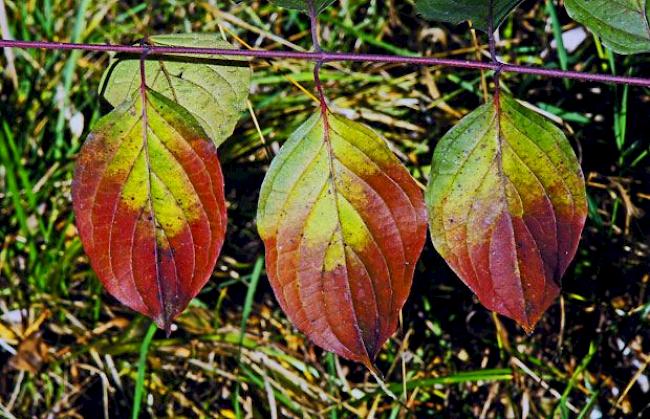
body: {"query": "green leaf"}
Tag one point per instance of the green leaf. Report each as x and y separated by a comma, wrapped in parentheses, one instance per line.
(457, 11)
(507, 205)
(343, 223)
(303, 5)
(623, 24)
(214, 89)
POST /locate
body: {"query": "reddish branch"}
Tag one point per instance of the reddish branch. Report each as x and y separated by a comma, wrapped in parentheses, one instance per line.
(333, 56)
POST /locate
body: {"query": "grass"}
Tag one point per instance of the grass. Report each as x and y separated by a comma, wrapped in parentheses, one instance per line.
(142, 369)
(246, 312)
(234, 352)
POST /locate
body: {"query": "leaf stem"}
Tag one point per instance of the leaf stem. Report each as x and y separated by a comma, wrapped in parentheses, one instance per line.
(334, 57)
(313, 20)
(319, 87)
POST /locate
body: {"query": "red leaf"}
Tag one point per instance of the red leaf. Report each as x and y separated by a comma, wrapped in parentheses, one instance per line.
(150, 209)
(507, 205)
(343, 224)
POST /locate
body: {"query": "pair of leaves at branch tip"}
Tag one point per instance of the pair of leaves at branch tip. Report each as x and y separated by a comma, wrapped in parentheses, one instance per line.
(303, 5)
(344, 224)
(507, 205)
(150, 209)
(214, 89)
(624, 25)
(457, 11)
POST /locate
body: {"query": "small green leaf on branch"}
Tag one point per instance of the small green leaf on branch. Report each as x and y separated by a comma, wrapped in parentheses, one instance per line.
(457, 11)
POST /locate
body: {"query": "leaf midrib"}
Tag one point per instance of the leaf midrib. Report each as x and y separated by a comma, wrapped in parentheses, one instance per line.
(330, 158)
(504, 200)
(154, 221)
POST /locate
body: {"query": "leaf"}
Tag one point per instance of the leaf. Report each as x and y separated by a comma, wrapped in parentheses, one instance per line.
(623, 24)
(343, 224)
(303, 5)
(214, 89)
(507, 205)
(150, 209)
(457, 11)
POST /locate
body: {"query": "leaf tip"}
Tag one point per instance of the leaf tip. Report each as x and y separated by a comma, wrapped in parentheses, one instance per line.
(529, 328)
(164, 323)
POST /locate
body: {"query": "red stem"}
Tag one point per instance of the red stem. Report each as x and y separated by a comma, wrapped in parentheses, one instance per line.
(313, 20)
(332, 57)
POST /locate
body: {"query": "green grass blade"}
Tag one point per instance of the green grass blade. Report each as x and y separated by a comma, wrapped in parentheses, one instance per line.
(590, 404)
(68, 73)
(501, 374)
(246, 312)
(620, 119)
(331, 370)
(562, 405)
(13, 188)
(562, 54)
(142, 369)
(250, 296)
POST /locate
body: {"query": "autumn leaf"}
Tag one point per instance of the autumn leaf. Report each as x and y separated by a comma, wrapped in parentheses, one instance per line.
(213, 88)
(624, 25)
(343, 224)
(150, 205)
(507, 205)
(477, 11)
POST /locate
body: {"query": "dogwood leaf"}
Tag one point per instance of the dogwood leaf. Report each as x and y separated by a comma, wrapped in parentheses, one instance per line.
(303, 5)
(457, 11)
(343, 224)
(214, 89)
(623, 24)
(507, 205)
(149, 202)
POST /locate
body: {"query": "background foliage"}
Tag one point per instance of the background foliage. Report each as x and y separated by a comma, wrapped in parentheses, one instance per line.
(76, 349)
